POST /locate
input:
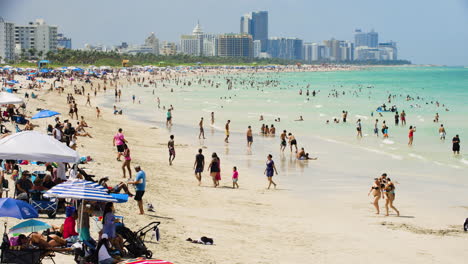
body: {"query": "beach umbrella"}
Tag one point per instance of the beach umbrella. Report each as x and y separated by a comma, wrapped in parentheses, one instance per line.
(10, 83)
(9, 98)
(10, 207)
(45, 114)
(80, 190)
(36, 146)
(29, 226)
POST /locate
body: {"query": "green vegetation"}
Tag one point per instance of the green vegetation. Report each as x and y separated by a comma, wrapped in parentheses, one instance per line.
(99, 58)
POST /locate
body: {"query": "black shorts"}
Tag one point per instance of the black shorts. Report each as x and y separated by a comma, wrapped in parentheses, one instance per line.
(293, 142)
(139, 195)
(120, 148)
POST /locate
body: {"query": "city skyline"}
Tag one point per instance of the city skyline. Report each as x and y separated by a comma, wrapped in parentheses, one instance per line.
(416, 39)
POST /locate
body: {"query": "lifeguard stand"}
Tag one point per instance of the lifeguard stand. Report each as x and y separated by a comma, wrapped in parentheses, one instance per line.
(43, 64)
(125, 63)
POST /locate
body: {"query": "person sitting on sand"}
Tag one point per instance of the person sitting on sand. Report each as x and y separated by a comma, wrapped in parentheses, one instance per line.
(376, 192)
(83, 122)
(37, 240)
(300, 119)
(80, 131)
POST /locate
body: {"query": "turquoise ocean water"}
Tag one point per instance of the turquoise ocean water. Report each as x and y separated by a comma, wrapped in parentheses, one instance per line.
(364, 91)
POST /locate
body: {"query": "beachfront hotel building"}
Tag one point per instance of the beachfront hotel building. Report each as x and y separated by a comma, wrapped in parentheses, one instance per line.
(285, 48)
(192, 44)
(235, 45)
(334, 47)
(36, 36)
(313, 52)
(7, 41)
(256, 24)
(367, 39)
(152, 43)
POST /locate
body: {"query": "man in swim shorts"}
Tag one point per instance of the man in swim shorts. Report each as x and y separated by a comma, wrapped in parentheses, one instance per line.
(283, 140)
(227, 131)
(249, 137)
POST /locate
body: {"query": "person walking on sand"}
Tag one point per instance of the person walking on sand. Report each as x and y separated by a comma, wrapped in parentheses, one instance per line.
(170, 146)
(390, 193)
(98, 112)
(140, 187)
(119, 141)
(88, 100)
(199, 165)
(235, 178)
(442, 132)
(212, 118)
(283, 143)
(227, 131)
(376, 192)
(270, 170)
(249, 137)
(214, 168)
(292, 141)
(127, 160)
(359, 128)
(411, 135)
(456, 145)
(202, 131)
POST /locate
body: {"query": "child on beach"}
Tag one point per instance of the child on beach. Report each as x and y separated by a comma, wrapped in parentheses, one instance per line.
(235, 178)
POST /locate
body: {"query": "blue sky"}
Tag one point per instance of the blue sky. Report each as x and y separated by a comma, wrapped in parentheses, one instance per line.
(427, 31)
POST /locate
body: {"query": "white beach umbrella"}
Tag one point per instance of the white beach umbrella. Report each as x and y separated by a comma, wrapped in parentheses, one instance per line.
(9, 98)
(35, 146)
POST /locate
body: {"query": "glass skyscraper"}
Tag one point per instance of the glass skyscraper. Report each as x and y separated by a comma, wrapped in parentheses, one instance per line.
(256, 24)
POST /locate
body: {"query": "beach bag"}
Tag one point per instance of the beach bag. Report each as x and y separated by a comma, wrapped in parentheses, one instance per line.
(465, 226)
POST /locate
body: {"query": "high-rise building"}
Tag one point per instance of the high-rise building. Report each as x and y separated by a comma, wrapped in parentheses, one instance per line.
(152, 42)
(210, 44)
(347, 50)
(168, 48)
(313, 52)
(63, 42)
(37, 36)
(7, 41)
(256, 24)
(235, 45)
(257, 48)
(334, 47)
(368, 39)
(192, 44)
(285, 48)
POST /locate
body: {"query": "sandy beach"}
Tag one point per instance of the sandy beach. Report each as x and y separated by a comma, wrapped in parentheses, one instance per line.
(253, 224)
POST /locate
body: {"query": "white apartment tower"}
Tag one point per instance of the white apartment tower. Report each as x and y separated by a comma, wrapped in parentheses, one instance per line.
(7, 41)
(36, 35)
(152, 42)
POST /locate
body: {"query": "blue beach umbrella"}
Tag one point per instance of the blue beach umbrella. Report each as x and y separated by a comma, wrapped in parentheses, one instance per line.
(29, 226)
(11, 82)
(10, 207)
(45, 114)
(44, 70)
(80, 190)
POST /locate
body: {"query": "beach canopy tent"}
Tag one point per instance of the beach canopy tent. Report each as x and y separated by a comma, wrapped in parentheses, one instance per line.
(42, 63)
(45, 114)
(9, 98)
(35, 146)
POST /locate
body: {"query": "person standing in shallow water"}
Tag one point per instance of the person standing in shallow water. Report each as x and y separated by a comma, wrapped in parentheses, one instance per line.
(227, 131)
(202, 130)
(249, 137)
(411, 135)
(456, 145)
(270, 170)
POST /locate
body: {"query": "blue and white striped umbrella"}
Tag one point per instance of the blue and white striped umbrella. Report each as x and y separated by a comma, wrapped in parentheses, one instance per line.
(80, 190)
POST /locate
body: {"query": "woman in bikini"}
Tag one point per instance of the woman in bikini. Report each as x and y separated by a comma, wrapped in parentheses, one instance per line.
(376, 192)
(390, 193)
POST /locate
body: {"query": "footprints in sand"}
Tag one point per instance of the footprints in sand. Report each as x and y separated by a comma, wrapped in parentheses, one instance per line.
(450, 231)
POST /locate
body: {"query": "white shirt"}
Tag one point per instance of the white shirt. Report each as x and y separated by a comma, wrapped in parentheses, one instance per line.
(58, 134)
(103, 254)
(61, 171)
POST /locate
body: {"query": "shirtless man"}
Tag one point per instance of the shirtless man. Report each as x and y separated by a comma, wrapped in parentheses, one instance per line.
(442, 132)
(249, 137)
(283, 144)
(227, 131)
(292, 141)
(88, 100)
(202, 131)
(302, 155)
(170, 146)
(272, 130)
